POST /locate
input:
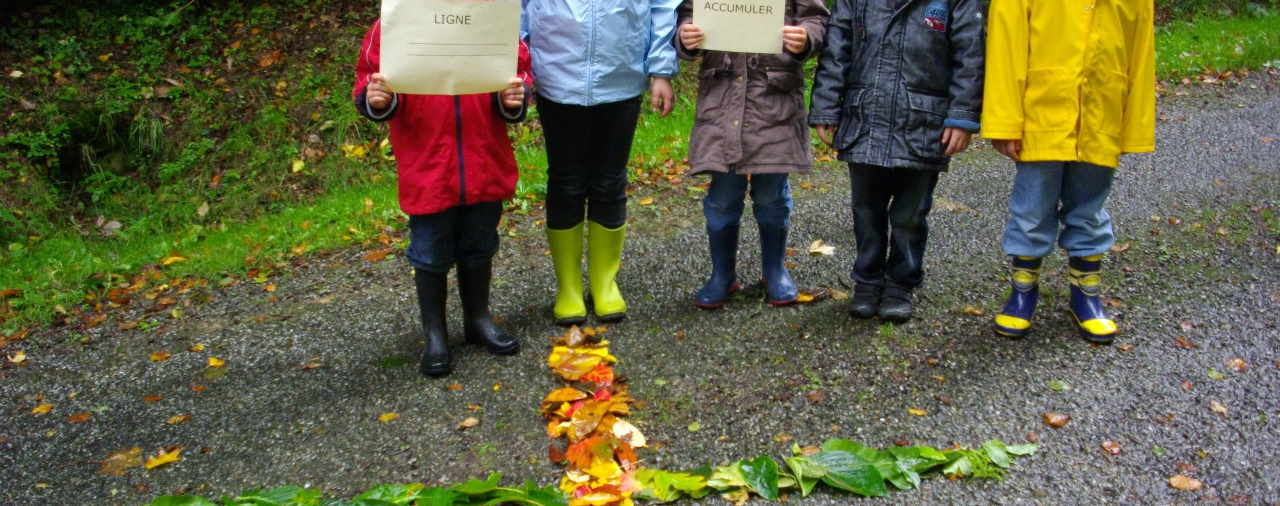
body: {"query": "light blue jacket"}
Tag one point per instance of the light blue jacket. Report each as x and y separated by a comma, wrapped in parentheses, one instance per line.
(588, 52)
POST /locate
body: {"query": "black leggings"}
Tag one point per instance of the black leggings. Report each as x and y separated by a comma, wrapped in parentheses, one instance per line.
(587, 152)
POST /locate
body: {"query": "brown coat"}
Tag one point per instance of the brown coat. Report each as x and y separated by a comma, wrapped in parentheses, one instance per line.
(751, 113)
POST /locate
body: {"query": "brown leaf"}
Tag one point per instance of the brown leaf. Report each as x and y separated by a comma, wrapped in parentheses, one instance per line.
(79, 417)
(377, 255)
(153, 398)
(116, 463)
(1186, 385)
(470, 422)
(1125, 348)
(1111, 447)
(1217, 407)
(902, 442)
(1184, 343)
(554, 453)
(1032, 437)
(946, 401)
(160, 356)
(197, 388)
(1056, 420)
(974, 311)
(1238, 364)
(455, 386)
(1184, 468)
(1182, 482)
(815, 397)
(271, 58)
(1120, 248)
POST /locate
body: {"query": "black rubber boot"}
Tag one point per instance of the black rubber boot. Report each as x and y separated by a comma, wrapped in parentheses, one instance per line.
(895, 306)
(866, 300)
(436, 360)
(473, 287)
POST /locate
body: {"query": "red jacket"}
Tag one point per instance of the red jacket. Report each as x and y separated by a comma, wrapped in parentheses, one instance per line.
(450, 150)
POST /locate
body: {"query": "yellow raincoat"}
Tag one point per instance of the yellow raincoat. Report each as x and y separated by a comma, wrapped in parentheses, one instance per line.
(1073, 79)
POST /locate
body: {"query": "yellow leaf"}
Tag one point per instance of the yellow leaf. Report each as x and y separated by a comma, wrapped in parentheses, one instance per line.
(177, 419)
(172, 260)
(839, 295)
(270, 288)
(216, 362)
(354, 150)
(497, 386)
(595, 499)
(163, 458)
(974, 311)
(470, 422)
(917, 412)
(297, 166)
(117, 462)
(18, 358)
(104, 57)
(42, 409)
(196, 348)
(160, 356)
(804, 298)
(565, 394)
(387, 417)
(1181, 482)
(647, 201)
(818, 248)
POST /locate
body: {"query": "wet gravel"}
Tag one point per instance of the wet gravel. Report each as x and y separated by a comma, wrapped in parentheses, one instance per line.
(1201, 264)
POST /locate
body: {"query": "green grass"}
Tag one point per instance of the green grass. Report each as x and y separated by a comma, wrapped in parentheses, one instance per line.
(1210, 44)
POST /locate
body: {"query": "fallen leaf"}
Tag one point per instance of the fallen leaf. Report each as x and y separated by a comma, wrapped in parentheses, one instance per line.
(1186, 385)
(116, 463)
(377, 255)
(628, 434)
(1184, 343)
(1182, 482)
(164, 458)
(152, 399)
(1125, 347)
(198, 388)
(917, 412)
(1238, 364)
(387, 417)
(839, 295)
(473, 407)
(160, 356)
(694, 427)
(202, 210)
(271, 58)
(1120, 248)
(554, 453)
(178, 419)
(269, 288)
(1111, 447)
(455, 386)
(297, 166)
(818, 248)
(170, 260)
(1215, 375)
(815, 396)
(42, 409)
(1217, 407)
(647, 201)
(974, 311)
(18, 358)
(216, 362)
(1056, 420)
(196, 348)
(79, 417)
(470, 422)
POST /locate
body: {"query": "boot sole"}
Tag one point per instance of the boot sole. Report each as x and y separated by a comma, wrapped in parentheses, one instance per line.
(435, 372)
(718, 305)
(1012, 334)
(612, 318)
(508, 350)
(571, 321)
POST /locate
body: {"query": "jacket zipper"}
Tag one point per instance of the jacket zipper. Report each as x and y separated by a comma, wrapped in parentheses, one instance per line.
(462, 161)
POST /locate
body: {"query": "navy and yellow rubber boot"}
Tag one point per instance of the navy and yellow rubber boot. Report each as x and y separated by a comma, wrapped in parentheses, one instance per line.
(1015, 319)
(1086, 284)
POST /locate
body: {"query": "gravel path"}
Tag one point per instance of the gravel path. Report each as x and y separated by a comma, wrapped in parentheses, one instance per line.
(1200, 219)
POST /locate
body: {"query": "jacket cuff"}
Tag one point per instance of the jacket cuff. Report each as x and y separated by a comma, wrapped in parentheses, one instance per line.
(963, 124)
(823, 119)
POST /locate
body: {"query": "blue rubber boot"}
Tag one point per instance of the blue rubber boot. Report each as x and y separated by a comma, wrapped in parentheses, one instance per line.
(779, 288)
(1015, 319)
(724, 277)
(1086, 305)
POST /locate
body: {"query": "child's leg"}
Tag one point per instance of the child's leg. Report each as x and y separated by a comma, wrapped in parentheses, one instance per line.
(909, 232)
(1033, 209)
(871, 189)
(1086, 236)
(475, 270)
(722, 208)
(771, 203)
(609, 140)
(431, 253)
(567, 166)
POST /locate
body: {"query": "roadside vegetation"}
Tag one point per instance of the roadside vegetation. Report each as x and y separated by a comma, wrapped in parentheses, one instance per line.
(211, 142)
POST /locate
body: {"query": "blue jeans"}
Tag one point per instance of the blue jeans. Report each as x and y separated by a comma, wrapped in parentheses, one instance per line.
(464, 235)
(1046, 194)
(770, 200)
(890, 223)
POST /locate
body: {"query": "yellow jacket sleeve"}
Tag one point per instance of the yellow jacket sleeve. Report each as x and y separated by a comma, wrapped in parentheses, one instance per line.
(1138, 134)
(1008, 49)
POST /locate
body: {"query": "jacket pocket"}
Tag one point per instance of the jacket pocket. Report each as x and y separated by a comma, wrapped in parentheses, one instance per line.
(783, 81)
(924, 125)
(1051, 102)
(850, 129)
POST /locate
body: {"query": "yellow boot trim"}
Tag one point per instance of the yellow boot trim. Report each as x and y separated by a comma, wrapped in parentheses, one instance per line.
(1099, 327)
(1004, 321)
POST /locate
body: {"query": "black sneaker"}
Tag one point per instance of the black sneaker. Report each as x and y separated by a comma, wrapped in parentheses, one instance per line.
(866, 300)
(895, 305)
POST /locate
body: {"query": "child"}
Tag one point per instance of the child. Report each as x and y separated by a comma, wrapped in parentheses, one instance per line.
(750, 131)
(1071, 86)
(903, 81)
(455, 166)
(594, 59)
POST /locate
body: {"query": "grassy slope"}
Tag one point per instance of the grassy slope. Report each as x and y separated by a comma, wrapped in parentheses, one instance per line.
(236, 130)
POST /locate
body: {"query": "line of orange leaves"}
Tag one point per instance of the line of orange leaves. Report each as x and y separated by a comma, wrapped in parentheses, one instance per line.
(600, 459)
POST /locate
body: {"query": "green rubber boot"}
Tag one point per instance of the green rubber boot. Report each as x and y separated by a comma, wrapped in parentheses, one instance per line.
(566, 256)
(604, 257)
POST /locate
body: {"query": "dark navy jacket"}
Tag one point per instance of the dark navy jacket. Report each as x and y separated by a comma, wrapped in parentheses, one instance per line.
(894, 73)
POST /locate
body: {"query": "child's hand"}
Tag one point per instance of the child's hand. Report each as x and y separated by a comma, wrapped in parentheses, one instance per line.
(826, 133)
(513, 95)
(691, 36)
(377, 94)
(661, 97)
(1011, 148)
(795, 39)
(955, 139)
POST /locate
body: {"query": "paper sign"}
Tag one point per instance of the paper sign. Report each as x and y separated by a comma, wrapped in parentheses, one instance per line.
(741, 26)
(449, 47)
